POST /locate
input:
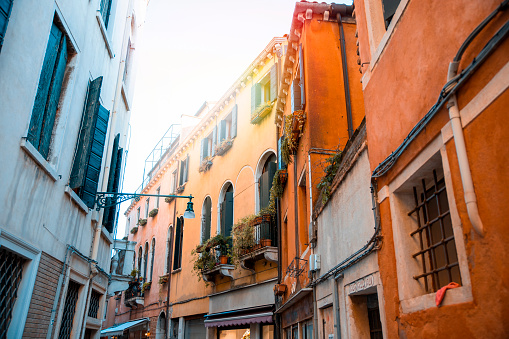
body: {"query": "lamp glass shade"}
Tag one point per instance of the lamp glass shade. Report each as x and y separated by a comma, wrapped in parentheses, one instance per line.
(189, 213)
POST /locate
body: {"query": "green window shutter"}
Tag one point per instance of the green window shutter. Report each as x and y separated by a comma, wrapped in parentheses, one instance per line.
(177, 255)
(88, 158)
(5, 12)
(186, 173)
(214, 140)
(203, 149)
(114, 177)
(296, 101)
(222, 217)
(93, 167)
(301, 63)
(43, 88)
(206, 221)
(234, 122)
(389, 7)
(228, 214)
(266, 184)
(273, 83)
(105, 10)
(256, 96)
(222, 130)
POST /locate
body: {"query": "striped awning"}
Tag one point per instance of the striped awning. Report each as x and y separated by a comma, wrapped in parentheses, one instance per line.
(253, 318)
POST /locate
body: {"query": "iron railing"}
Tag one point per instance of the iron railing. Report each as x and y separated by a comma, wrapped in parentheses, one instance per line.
(134, 291)
(93, 309)
(266, 230)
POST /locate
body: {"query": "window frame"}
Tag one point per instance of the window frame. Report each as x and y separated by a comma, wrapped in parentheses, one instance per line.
(411, 293)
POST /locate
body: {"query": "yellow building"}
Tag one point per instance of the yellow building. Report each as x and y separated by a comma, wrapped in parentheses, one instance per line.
(225, 157)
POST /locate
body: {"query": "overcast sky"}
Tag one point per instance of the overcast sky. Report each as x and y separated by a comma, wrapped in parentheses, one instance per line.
(190, 52)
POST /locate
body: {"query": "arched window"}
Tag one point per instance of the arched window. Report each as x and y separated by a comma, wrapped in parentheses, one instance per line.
(140, 256)
(145, 262)
(206, 214)
(226, 210)
(179, 237)
(266, 172)
(161, 326)
(168, 254)
(152, 257)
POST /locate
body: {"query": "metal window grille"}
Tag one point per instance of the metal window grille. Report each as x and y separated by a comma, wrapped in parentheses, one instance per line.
(438, 255)
(11, 268)
(69, 309)
(375, 326)
(93, 309)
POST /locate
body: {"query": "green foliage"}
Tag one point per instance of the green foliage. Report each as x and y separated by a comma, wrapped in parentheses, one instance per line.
(142, 222)
(153, 213)
(134, 273)
(243, 237)
(330, 172)
(203, 261)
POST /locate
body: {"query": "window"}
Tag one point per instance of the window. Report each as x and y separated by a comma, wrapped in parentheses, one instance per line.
(227, 128)
(158, 192)
(173, 187)
(375, 325)
(152, 257)
(145, 262)
(105, 10)
(435, 236)
(265, 90)
(389, 8)
(184, 170)
(226, 211)
(48, 92)
(140, 258)
(5, 12)
(127, 61)
(86, 168)
(265, 180)
(110, 213)
(138, 214)
(297, 88)
(167, 267)
(11, 270)
(179, 237)
(69, 309)
(207, 145)
(147, 206)
(206, 214)
(93, 309)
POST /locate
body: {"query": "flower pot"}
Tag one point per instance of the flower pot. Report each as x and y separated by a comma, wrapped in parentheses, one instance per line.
(266, 218)
(280, 289)
(266, 242)
(257, 221)
(283, 177)
(223, 259)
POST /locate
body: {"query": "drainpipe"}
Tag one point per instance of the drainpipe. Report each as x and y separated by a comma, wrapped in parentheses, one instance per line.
(336, 304)
(346, 82)
(461, 152)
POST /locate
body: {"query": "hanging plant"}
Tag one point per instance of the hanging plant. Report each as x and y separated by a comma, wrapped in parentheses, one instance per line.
(330, 172)
(243, 238)
(142, 222)
(153, 213)
(134, 230)
(223, 147)
(146, 286)
(205, 164)
(202, 261)
(168, 199)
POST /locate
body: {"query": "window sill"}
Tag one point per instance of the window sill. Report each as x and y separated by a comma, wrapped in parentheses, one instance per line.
(38, 158)
(104, 34)
(454, 296)
(77, 200)
(125, 97)
(176, 271)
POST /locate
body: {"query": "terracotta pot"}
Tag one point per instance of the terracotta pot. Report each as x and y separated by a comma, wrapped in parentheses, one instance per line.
(266, 242)
(223, 259)
(266, 218)
(257, 221)
(280, 289)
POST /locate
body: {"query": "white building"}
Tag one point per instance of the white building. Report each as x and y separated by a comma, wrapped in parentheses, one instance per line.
(65, 91)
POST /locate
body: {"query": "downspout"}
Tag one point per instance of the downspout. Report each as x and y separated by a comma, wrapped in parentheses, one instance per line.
(461, 152)
(336, 305)
(346, 82)
(170, 254)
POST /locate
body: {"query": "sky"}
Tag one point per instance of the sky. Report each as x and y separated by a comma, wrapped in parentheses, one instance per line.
(190, 52)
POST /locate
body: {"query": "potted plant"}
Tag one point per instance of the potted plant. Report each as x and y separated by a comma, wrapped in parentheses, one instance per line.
(203, 261)
(223, 147)
(163, 279)
(243, 238)
(168, 199)
(142, 222)
(180, 189)
(222, 244)
(146, 286)
(134, 230)
(134, 273)
(205, 164)
(265, 242)
(280, 289)
(153, 213)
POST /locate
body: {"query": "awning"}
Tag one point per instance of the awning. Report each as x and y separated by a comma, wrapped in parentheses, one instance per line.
(254, 318)
(120, 328)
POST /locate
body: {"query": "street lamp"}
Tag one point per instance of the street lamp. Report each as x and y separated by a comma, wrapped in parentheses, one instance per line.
(109, 199)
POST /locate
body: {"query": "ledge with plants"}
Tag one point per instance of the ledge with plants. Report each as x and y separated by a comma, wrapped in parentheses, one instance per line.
(293, 130)
(134, 230)
(211, 259)
(142, 222)
(146, 286)
(163, 279)
(180, 189)
(223, 147)
(205, 164)
(153, 213)
(169, 199)
(261, 112)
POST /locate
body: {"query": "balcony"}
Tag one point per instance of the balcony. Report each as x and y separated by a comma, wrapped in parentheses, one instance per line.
(265, 244)
(133, 296)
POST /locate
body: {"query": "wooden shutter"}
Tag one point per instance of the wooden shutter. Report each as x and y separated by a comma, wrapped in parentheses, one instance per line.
(206, 221)
(43, 88)
(202, 149)
(179, 237)
(280, 162)
(256, 96)
(222, 217)
(296, 101)
(5, 12)
(273, 83)
(234, 122)
(181, 176)
(114, 177)
(266, 184)
(186, 173)
(105, 11)
(222, 130)
(228, 213)
(214, 140)
(302, 92)
(87, 162)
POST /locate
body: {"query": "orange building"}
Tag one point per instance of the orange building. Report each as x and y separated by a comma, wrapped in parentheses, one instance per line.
(225, 157)
(319, 106)
(435, 78)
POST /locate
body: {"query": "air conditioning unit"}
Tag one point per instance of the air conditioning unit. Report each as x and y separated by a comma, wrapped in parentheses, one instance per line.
(314, 262)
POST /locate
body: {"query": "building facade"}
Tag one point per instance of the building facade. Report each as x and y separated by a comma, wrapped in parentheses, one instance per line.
(225, 157)
(66, 87)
